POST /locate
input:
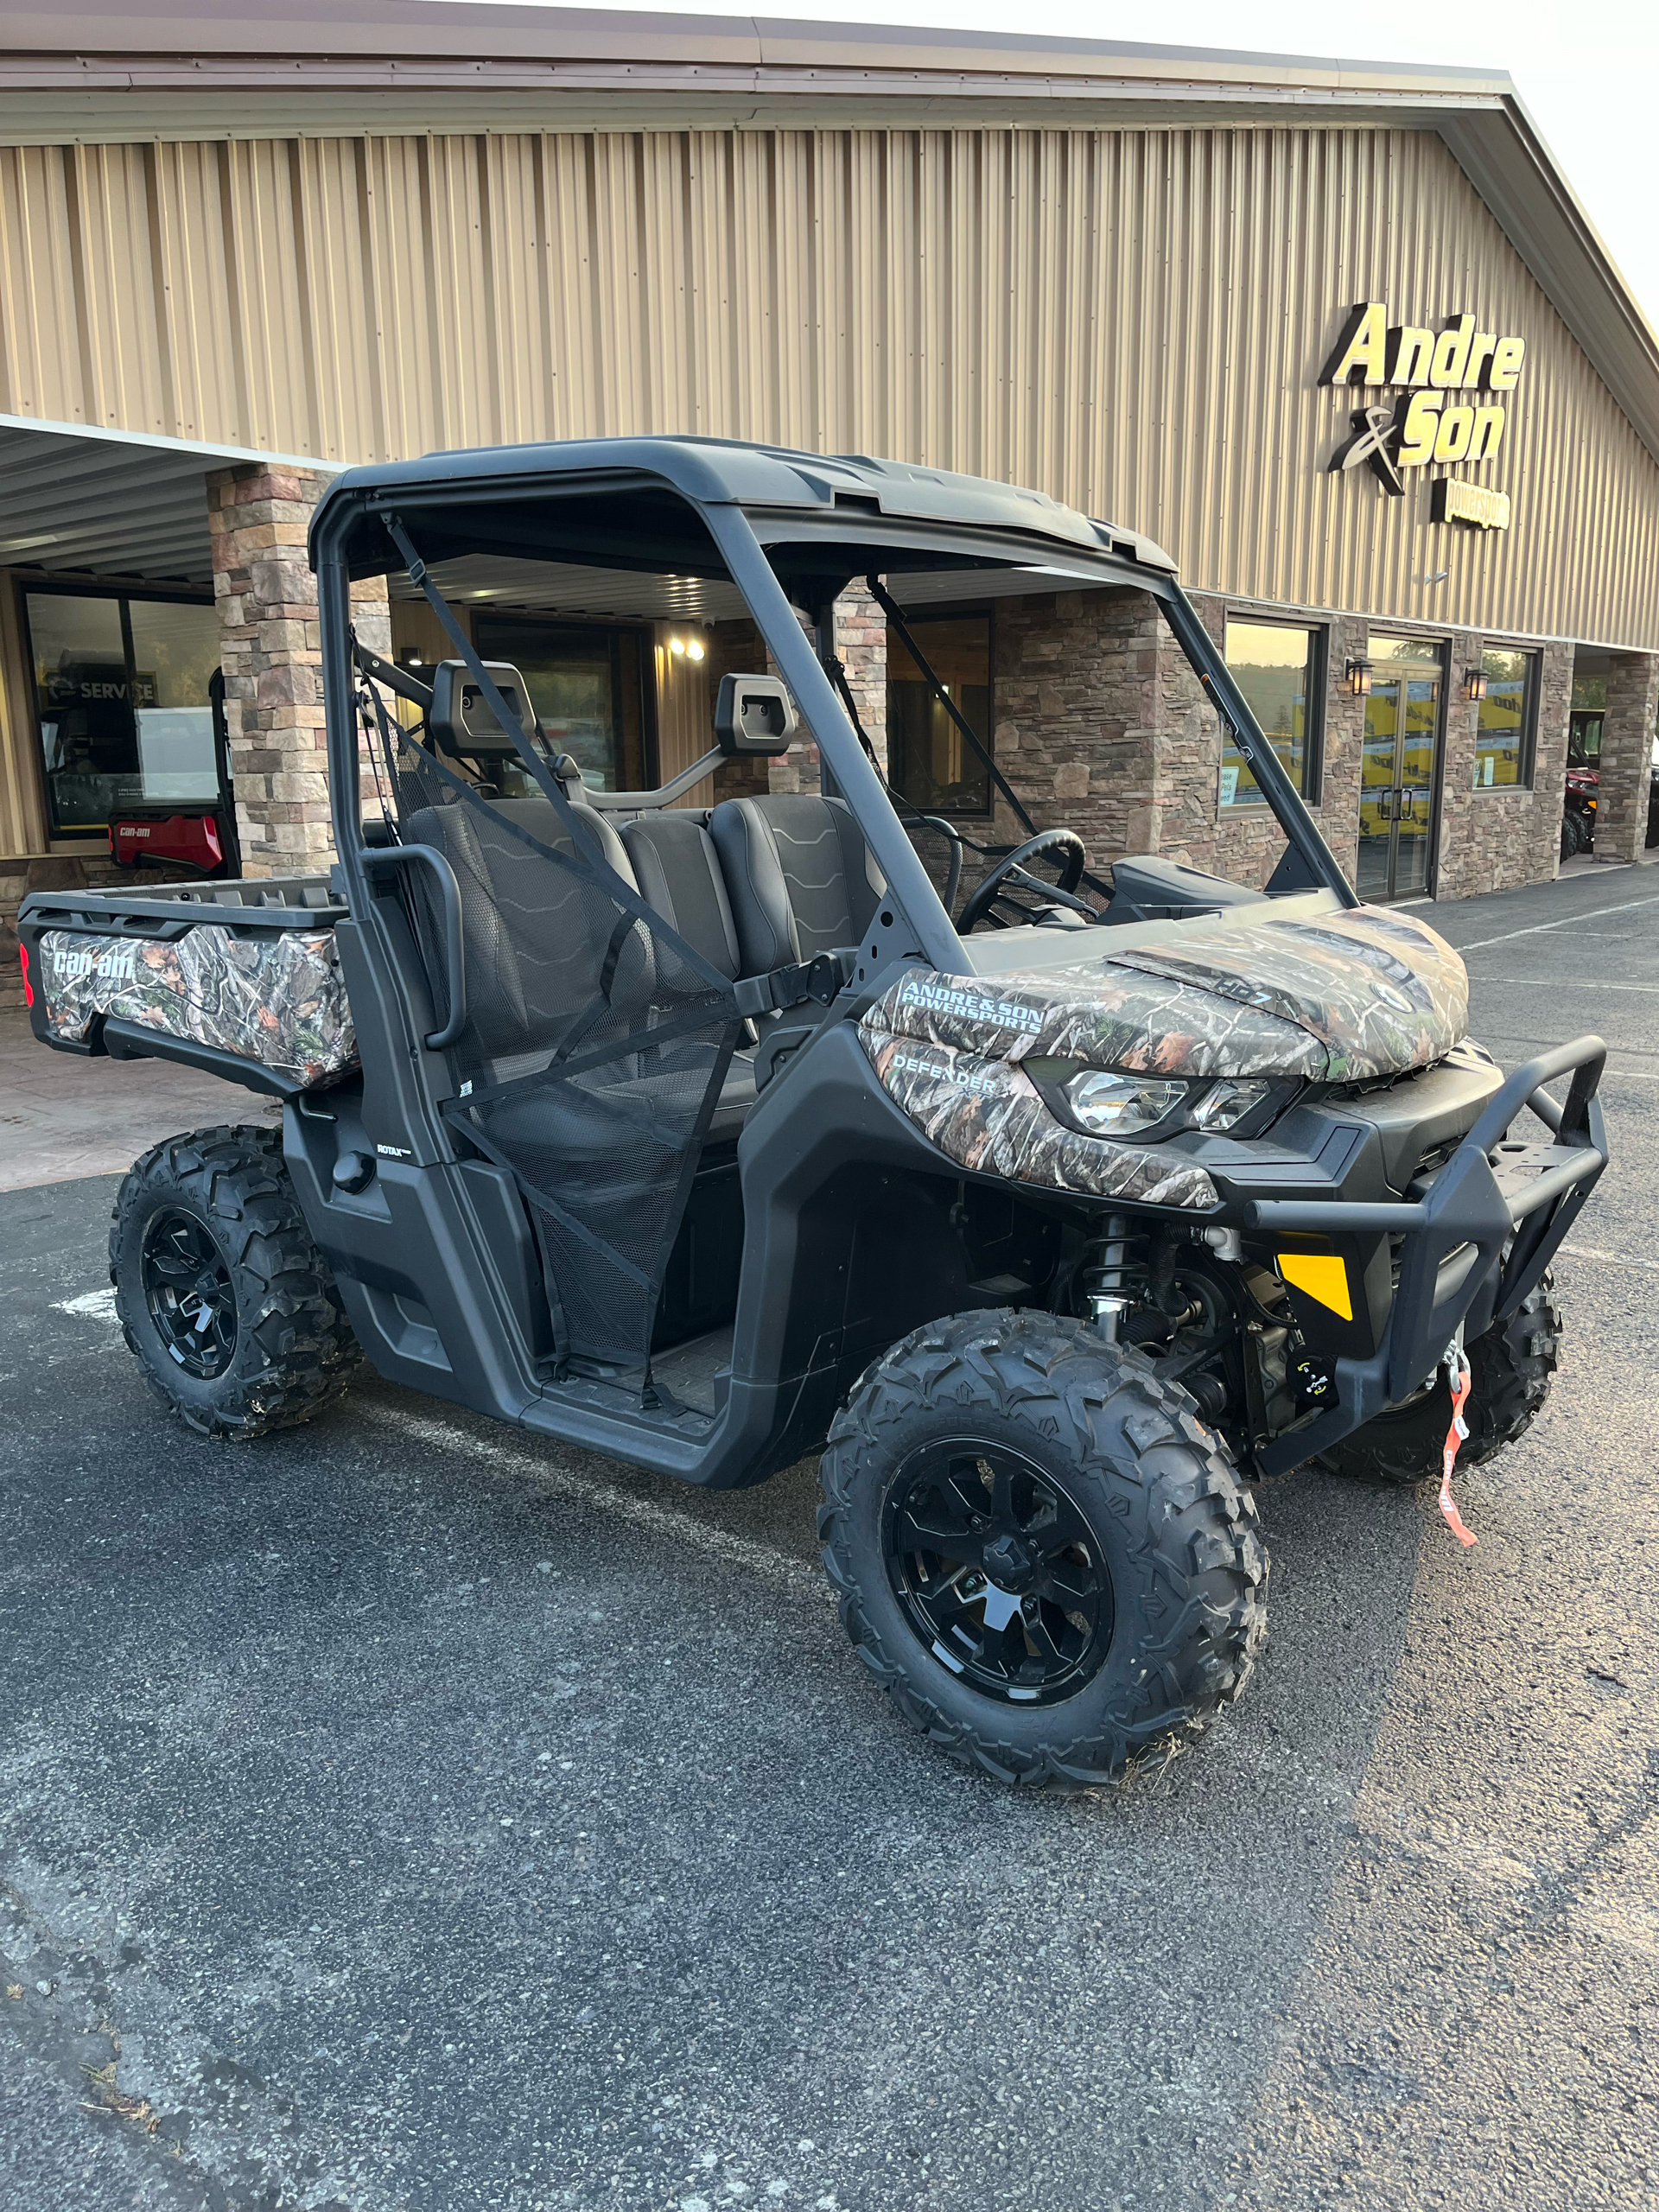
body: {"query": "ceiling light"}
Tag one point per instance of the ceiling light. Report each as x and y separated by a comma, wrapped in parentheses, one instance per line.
(694, 649)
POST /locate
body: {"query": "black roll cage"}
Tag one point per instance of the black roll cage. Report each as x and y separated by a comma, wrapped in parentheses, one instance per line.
(855, 541)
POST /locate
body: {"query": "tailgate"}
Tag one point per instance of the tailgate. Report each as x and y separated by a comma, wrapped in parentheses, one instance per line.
(241, 978)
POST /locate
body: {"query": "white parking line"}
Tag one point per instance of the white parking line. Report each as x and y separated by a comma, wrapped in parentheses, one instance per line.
(1566, 921)
(1554, 983)
(763, 1560)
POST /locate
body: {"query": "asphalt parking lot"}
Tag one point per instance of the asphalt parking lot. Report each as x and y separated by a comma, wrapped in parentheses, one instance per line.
(416, 1816)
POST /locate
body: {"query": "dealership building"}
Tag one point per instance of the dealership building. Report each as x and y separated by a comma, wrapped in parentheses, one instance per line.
(1336, 335)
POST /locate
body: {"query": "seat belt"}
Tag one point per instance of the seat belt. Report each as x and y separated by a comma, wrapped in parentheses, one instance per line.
(820, 978)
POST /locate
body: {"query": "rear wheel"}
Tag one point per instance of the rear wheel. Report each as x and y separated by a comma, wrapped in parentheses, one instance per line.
(1510, 1370)
(1043, 1554)
(225, 1302)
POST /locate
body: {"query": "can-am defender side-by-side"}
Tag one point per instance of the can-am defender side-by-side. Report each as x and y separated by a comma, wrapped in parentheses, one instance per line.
(704, 1136)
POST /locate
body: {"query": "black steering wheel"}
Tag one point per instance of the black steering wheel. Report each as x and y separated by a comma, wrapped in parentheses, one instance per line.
(1009, 873)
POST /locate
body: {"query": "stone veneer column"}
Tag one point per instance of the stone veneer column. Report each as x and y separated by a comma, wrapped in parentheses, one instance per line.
(1101, 726)
(862, 644)
(798, 770)
(1342, 760)
(1077, 705)
(1627, 735)
(271, 653)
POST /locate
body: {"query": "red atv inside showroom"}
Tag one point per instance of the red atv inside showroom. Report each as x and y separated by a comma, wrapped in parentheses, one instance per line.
(187, 837)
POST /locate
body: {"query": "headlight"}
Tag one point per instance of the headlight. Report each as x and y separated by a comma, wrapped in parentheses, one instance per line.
(1122, 1105)
(1111, 1105)
(1227, 1104)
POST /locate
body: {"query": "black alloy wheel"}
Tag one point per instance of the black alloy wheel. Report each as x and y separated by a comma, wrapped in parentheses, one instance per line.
(997, 1571)
(1041, 1554)
(229, 1308)
(188, 1291)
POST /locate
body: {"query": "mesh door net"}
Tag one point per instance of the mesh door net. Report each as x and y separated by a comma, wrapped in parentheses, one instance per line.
(596, 1041)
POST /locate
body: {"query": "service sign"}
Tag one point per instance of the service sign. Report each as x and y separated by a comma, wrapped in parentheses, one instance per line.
(1450, 390)
(97, 683)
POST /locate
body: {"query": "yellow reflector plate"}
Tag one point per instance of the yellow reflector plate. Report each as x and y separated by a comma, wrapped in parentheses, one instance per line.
(1322, 1275)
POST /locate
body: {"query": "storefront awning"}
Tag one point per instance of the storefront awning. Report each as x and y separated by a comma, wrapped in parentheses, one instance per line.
(105, 503)
(101, 507)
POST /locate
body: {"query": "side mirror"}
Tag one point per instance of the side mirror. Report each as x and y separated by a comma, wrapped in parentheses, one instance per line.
(460, 720)
(754, 714)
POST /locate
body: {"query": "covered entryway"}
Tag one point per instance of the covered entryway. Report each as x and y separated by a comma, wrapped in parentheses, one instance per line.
(132, 569)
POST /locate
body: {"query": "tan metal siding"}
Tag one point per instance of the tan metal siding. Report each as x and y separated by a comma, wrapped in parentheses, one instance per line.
(1132, 319)
(39, 320)
(22, 816)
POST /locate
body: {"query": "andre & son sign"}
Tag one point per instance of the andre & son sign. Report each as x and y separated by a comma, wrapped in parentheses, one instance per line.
(1450, 385)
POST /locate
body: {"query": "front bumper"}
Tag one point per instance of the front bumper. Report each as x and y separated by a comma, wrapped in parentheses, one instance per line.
(1472, 1248)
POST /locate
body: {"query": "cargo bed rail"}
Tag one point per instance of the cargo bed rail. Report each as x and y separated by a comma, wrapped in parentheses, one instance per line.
(166, 911)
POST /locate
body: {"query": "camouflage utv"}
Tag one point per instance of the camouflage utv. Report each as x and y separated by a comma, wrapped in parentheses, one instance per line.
(692, 1125)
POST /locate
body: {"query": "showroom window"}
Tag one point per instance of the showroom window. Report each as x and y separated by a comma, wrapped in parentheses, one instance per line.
(1278, 666)
(1504, 737)
(930, 761)
(586, 682)
(121, 696)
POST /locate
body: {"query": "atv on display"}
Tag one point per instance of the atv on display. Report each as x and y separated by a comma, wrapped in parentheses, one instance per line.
(185, 838)
(702, 1135)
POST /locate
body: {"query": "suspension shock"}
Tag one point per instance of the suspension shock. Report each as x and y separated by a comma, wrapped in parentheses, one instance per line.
(1105, 1279)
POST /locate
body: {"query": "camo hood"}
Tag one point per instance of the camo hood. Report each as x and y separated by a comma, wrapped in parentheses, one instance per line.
(1336, 998)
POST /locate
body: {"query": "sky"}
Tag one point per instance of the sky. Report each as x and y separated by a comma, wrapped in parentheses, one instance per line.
(1587, 70)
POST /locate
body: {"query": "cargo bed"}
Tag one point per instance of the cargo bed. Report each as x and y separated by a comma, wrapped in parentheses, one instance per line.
(240, 979)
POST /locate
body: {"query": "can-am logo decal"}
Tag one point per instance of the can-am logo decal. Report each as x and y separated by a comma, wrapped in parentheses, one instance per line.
(110, 962)
(1430, 421)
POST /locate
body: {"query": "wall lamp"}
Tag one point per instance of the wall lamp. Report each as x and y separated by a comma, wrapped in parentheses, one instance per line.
(687, 648)
(1358, 674)
(1474, 684)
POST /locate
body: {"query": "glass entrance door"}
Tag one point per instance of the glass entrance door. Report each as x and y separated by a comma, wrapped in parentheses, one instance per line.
(1397, 772)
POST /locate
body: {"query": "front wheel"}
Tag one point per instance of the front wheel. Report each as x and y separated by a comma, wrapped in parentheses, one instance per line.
(1510, 1370)
(226, 1304)
(1043, 1555)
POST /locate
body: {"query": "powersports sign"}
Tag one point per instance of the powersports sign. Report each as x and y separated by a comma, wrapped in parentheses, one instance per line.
(1450, 388)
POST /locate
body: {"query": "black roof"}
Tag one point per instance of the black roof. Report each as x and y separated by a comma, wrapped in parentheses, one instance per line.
(724, 471)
